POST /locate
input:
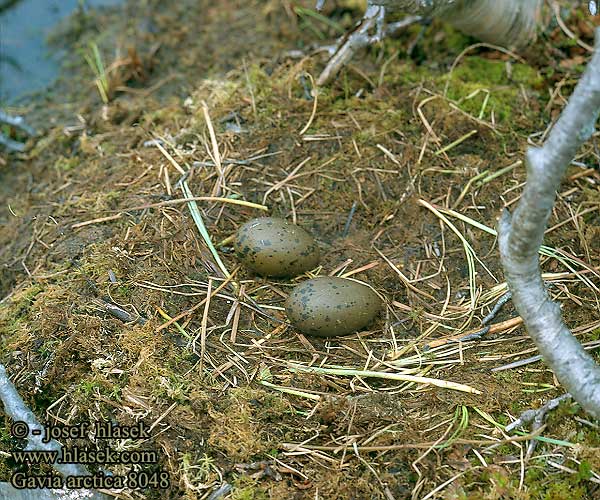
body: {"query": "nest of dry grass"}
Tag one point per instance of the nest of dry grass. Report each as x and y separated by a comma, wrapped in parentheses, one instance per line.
(123, 302)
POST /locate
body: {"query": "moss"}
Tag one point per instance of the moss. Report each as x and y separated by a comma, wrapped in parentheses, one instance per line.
(64, 164)
(219, 418)
(483, 87)
(238, 433)
(245, 488)
(504, 376)
(478, 85)
(20, 302)
(557, 486)
(454, 40)
(407, 73)
(198, 471)
(562, 490)
(6, 443)
(96, 384)
(170, 385)
(87, 387)
(259, 82)
(499, 484)
(14, 317)
(123, 292)
(493, 72)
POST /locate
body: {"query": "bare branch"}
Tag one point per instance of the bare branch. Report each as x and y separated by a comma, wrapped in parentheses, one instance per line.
(536, 418)
(505, 22)
(521, 235)
(11, 144)
(423, 7)
(18, 411)
(17, 122)
(360, 38)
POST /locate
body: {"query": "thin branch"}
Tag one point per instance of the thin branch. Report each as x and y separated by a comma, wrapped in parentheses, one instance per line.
(505, 22)
(16, 409)
(521, 235)
(360, 38)
(536, 419)
(17, 122)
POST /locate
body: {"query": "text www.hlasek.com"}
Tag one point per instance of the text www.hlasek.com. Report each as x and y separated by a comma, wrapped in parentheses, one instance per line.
(84, 456)
(135, 478)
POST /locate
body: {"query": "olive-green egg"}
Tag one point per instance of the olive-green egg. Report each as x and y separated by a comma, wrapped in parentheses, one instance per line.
(274, 247)
(328, 307)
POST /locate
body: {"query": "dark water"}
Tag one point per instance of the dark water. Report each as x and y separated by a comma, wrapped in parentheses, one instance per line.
(26, 62)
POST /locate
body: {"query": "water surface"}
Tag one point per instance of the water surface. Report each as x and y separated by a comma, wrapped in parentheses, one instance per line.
(27, 64)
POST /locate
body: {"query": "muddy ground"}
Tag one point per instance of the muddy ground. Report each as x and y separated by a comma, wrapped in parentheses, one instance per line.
(398, 167)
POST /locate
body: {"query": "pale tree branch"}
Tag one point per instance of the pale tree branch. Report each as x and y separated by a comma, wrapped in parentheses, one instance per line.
(503, 22)
(17, 122)
(18, 411)
(360, 38)
(511, 23)
(521, 235)
(423, 7)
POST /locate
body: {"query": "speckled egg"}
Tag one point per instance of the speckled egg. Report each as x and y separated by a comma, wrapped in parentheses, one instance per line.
(274, 247)
(328, 307)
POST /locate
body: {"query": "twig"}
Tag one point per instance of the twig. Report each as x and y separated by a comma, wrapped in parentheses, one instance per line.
(349, 219)
(484, 442)
(166, 203)
(496, 309)
(96, 221)
(498, 327)
(521, 235)
(122, 314)
(536, 419)
(360, 38)
(18, 122)
(315, 95)
(18, 411)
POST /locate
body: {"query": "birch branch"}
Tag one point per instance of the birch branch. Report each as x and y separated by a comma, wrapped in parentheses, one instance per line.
(504, 22)
(17, 410)
(521, 235)
(361, 38)
(17, 122)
